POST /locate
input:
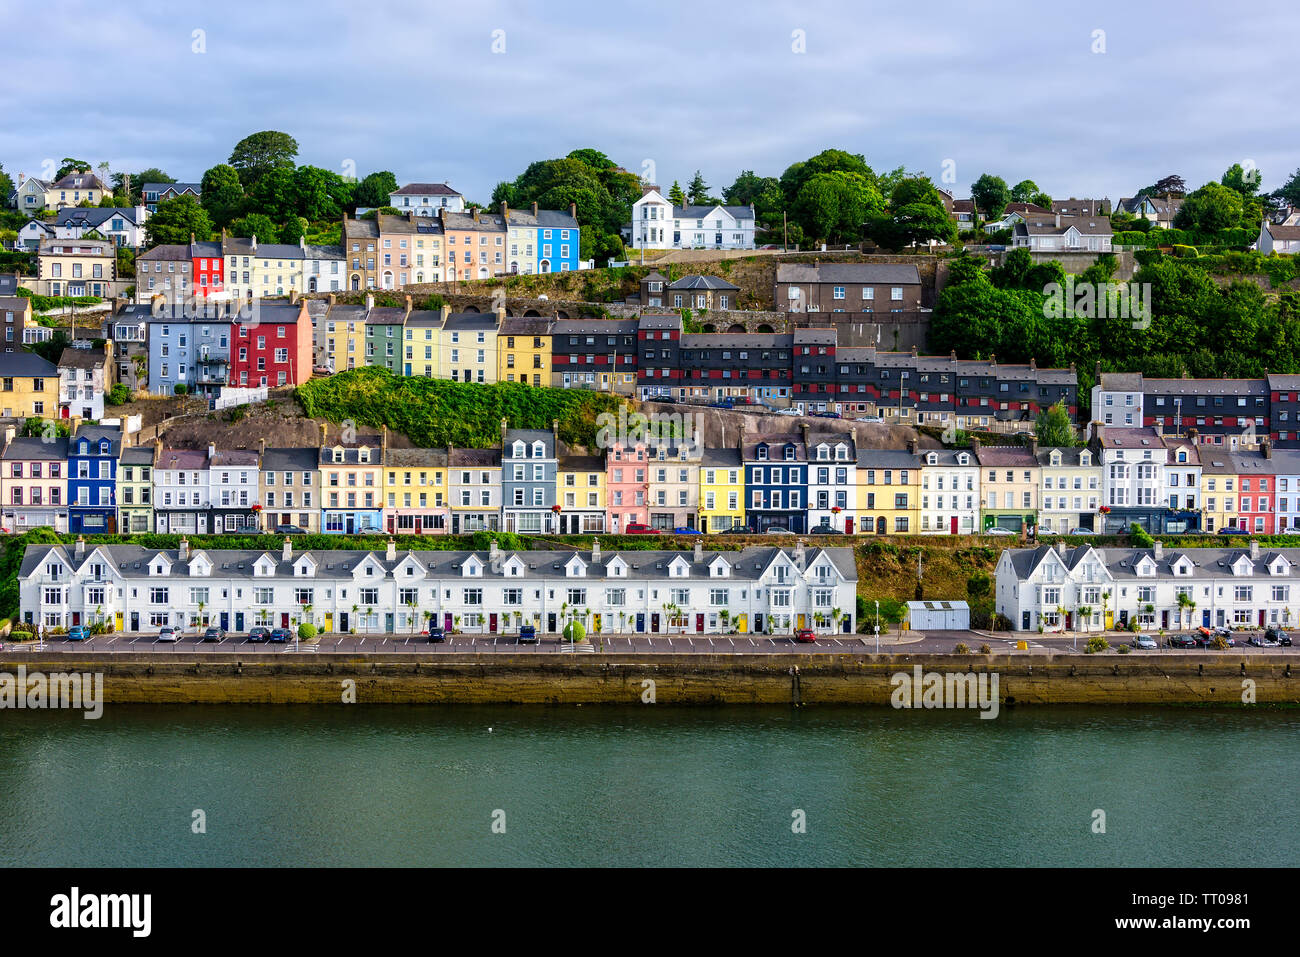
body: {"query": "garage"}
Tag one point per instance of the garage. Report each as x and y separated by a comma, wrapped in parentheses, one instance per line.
(938, 616)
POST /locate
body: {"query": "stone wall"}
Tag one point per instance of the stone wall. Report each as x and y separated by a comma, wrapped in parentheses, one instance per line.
(678, 679)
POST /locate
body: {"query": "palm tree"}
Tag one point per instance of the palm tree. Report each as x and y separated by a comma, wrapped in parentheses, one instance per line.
(414, 618)
(355, 610)
(1185, 603)
(836, 615)
(1085, 614)
(1105, 596)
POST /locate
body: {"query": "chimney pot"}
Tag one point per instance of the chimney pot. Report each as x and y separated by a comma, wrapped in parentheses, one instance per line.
(286, 553)
(391, 553)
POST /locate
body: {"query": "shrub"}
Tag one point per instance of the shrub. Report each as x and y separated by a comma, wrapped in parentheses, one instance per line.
(984, 649)
(1095, 644)
(306, 631)
(1124, 649)
(961, 649)
(1141, 538)
(120, 394)
(180, 388)
(1220, 643)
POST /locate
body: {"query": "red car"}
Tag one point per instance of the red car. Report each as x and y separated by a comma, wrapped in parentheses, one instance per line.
(635, 528)
(805, 635)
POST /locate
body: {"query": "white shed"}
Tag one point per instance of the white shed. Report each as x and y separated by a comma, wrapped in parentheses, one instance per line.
(938, 616)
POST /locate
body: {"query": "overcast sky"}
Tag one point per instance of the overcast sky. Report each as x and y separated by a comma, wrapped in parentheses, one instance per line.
(1015, 89)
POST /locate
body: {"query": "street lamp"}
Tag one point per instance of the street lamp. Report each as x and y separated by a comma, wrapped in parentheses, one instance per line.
(877, 627)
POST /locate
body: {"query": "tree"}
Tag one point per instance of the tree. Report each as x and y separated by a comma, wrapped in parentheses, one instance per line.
(256, 224)
(916, 214)
(991, 195)
(375, 190)
(1054, 429)
(1171, 185)
(827, 161)
(834, 207)
(135, 197)
(1025, 191)
(675, 194)
(698, 191)
(257, 154)
(1289, 192)
(71, 165)
(1209, 209)
(321, 194)
(1240, 181)
(176, 221)
(592, 157)
(223, 194)
(6, 183)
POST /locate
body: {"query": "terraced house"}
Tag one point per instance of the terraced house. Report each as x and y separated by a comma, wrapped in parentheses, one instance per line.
(889, 491)
(290, 488)
(580, 493)
(351, 478)
(524, 351)
(400, 591)
(528, 470)
(29, 386)
(135, 489)
(417, 495)
(33, 484)
(469, 346)
(627, 485)
(776, 481)
(76, 267)
(1010, 486)
(475, 479)
(950, 492)
(722, 490)
(93, 454)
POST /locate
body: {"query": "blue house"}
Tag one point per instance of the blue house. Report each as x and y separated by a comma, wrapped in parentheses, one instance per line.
(558, 239)
(776, 481)
(189, 347)
(528, 470)
(92, 479)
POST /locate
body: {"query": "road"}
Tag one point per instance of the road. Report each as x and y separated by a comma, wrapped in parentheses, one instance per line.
(936, 642)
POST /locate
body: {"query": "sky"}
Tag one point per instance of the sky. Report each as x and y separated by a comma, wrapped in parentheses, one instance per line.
(1087, 100)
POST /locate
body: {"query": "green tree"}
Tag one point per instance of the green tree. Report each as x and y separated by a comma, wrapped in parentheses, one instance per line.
(698, 191)
(1025, 191)
(6, 183)
(176, 221)
(916, 214)
(1241, 181)
(1054, 428)
(256, 224)
(991, 195)
(1171, 185)
(375, 190)
(675, 194)
(1209, 209)
(136, 196)
(834, 207)
(71, 165)
(827, 161)
(1289, 192)
(593, 158)
(223, 194)
(257, 154)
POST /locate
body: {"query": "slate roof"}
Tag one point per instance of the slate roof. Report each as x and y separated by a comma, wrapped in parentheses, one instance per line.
(894, 274)
(703, 282)
(25, 364)
(425, 189)
(96, 216)
(290, 460)
(36, 449)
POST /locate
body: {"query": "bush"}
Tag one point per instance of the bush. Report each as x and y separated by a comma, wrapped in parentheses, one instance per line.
(1141, 538)
(961, 649)
(1124, 649)
(1095, 644)
(984, 649)
(118, 395)
(180, 388)
(1220, 643)
(306, 631)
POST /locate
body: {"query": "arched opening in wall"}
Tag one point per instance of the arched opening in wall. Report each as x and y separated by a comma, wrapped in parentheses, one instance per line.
(509, 314)
(311, 284)
(388, 280)
(709, 327)
(736, 327)
(532, 314)
(470, 309)
(514, 268)
(482, 272)
(561, 314)
(356, 283)
(764, 327)
(544, 266)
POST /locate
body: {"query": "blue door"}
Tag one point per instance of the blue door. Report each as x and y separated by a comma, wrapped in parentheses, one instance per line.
(1205, 617)
(640, 623)
(225, 620)
(388, 622)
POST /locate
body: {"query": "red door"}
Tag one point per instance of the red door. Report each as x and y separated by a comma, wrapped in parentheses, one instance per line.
(284, 619)
(848, 526)
(492, 623)
(699, 623)
(953, 525)
(1261, 618)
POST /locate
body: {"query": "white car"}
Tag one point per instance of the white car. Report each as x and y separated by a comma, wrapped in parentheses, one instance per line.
(995, 530)
(168, 634)
(788, 412)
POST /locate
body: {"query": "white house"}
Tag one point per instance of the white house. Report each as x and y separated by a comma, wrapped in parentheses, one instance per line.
(401, 591)
(33, 232)
(1079, 588)
(950, 492)
(658, 224)
(322, 267)
(1283, 240)
(29, 197)
(125, 226)
(1064, 234)
(83, 379)
(425, 199)
(832, 479)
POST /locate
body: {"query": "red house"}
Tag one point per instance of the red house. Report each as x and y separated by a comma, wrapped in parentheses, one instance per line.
(273, 347)
(206, 264)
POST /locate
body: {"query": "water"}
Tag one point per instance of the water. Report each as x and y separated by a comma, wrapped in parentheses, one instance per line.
(647, 786)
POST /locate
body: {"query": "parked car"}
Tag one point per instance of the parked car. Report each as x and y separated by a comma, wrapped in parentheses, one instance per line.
(735, 530)
(1145, 642)
(788, 412)
(824, 530)
(259, 634)
(1278, 635)
(723, 404)
(214, 634)
(168, 634)
(636, 528)
(1082, 531)
(1231, 530)
(828, 415)
(996, 530)
(687, 531)
(527, 634)
(1261, 641)
(436, 634)
(870, 418)
(1180, 641)
(78, 633)
(778, 530)
(289, 530)
(805, 635)
(1205, 636)
(280, 635)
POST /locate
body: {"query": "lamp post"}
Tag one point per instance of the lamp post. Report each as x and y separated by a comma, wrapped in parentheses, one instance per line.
(877, 627)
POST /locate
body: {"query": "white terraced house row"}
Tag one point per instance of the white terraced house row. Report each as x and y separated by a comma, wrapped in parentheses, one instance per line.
(133, 588)
(1082, 588)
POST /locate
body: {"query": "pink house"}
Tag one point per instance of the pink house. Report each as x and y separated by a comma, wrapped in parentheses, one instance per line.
(34, 483)
(627, 486)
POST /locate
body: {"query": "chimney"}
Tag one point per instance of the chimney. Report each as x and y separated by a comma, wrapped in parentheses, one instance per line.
(445, 312)
(383, 440)
(293, 297)
(534, 210)
(505, 424)
(370, 301)
(1254, 549)
(302, 243)
(475, 214)
(391, 553)
(324, 434)
(1158, 550)
(505, 211)
(807, 438)
(1058, 219)
(184, 550)
(799, 555)
(254, 238)
(501, 314)
(286, 552)
(408, 307)
(1062, 548)
(332, 300)
(595, 551)
(911, 446)
(1267, 448)
(263, 442)
(699, 551)
(80, 549)
(1033, 445)
(212, 450)
(494, 557)
(913, 351)
(1033, 364)
(974, 443)
(573, 211)
(1192, 435)
(157, 450)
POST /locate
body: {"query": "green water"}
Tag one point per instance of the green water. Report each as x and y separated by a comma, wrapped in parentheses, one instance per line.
(647, 786)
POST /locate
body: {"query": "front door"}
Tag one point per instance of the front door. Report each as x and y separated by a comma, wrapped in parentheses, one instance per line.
(848, 526)
(350, 525)
(550, 621)
(76, 617)
(239, 621)
(654, 622)
(881, 525)
(284, 619)
(492, 623)
(135, 621)
(640, 622)
(699, 624)
(343, 622)
(447, 622)
(225, 620)
(952, 525)
(388, 622)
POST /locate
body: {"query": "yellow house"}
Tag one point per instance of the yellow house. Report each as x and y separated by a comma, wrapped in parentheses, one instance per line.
(469, 346)
(417, 497)
(76, 267)
(722, 490)
(1010, 483)
(422, 343)
(345, 336)
(889, 492)
(1219, 487)
(524, 351)
(580, 494)
(29, 386)
(74, 189)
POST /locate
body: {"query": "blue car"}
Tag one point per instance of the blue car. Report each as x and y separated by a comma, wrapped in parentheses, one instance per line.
(78, 633)
(280, 635)
(528, 634)
(687, 531)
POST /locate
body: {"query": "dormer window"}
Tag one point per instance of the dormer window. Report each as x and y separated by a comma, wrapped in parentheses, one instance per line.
(363, 454)
(539, 450)
(789, 453)
(519, 450)
(762, 453)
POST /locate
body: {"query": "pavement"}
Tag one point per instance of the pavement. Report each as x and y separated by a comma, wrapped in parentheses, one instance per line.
(932, 642)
